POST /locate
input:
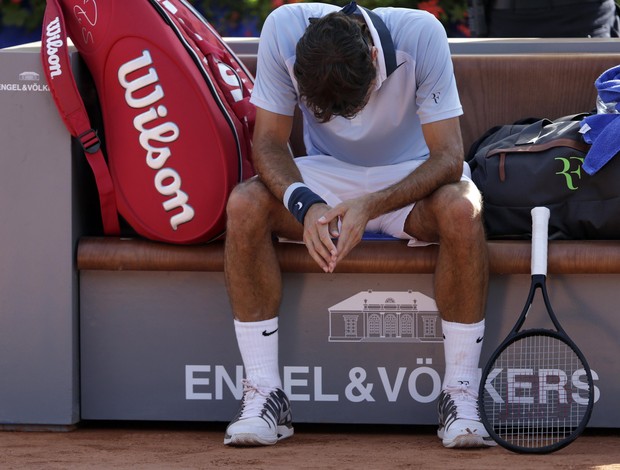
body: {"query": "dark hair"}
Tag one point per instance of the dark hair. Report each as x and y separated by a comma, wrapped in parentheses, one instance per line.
(334, 67)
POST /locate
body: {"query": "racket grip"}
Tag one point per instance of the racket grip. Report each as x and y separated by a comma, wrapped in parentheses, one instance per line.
(540, 231)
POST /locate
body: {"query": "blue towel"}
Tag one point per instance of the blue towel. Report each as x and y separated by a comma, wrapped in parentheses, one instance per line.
(608, 86)
(594, 125)
(605, 147)
(603, 130)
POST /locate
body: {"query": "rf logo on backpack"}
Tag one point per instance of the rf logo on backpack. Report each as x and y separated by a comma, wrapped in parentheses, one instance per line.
(570, 174)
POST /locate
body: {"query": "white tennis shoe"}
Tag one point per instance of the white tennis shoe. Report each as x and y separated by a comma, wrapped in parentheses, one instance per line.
(264, 418)
(459, 419)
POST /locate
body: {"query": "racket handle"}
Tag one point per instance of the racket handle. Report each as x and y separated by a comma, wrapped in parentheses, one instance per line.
(540, 231)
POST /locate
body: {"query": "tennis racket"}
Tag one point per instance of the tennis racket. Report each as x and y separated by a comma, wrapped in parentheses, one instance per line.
(536, 392)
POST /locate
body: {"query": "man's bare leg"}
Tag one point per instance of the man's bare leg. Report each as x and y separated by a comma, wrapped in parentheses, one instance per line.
(453, 217)
(253, 277)
(254, 284)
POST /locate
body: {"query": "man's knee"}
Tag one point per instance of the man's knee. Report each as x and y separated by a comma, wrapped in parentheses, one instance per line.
(459, 209)
(247, 201)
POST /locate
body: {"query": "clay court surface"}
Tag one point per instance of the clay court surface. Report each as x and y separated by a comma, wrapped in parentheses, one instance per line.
(199, 446)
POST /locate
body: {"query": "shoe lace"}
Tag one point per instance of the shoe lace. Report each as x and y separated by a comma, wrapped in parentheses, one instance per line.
(254, 398)
(465, 401)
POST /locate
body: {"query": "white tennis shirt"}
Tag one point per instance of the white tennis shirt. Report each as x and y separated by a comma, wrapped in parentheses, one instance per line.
(388, 130)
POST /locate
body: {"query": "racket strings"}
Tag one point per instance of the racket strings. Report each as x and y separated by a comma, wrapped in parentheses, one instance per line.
(536, 394)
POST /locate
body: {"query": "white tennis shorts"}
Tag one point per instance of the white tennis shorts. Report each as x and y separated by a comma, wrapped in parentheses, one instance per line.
(336, 181)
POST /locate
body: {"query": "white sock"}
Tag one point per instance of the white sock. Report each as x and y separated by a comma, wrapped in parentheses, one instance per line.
(258, 344)
(462, 345)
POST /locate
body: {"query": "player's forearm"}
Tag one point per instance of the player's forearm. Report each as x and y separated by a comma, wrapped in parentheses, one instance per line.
(419, 184)
(275, 166)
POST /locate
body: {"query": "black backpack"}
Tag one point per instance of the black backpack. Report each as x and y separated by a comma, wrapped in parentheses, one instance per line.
(537, 162)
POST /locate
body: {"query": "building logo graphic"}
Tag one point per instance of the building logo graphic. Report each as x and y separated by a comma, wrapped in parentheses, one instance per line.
(370, 316)
(29, 77)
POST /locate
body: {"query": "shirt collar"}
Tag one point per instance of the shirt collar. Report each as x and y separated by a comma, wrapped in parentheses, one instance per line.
(381, 68)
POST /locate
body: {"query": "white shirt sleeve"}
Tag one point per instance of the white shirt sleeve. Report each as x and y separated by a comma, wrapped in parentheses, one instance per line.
(274, 89)
(437, 95)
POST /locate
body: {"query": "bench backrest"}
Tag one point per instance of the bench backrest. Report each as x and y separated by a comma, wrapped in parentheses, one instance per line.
(501, 89)
(498, 89)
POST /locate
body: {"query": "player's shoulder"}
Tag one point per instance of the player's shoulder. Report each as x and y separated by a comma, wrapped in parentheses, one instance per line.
(298, 14)
(405, 16)
(287, 23)
(407, 25)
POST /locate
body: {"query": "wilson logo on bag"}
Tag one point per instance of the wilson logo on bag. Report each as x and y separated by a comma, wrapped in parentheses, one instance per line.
(175, 105)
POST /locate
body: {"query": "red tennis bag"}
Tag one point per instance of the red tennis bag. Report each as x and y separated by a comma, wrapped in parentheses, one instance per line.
(175, 106)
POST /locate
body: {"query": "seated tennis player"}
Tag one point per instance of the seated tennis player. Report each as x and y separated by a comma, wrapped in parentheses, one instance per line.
(384, 154)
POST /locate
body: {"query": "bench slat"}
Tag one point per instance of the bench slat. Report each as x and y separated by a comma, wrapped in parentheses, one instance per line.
(372, 256)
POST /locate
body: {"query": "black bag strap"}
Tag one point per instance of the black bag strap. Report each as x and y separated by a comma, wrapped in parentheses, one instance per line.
(534, 148)
(389, 52)
(531, 134)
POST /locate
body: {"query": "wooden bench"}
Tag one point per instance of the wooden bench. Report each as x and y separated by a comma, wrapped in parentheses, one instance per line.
(371, 256)
(494, 89)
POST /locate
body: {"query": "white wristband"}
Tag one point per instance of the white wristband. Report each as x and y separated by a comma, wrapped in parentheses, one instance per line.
(289, 191)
